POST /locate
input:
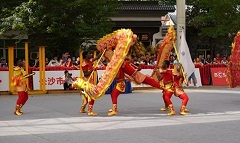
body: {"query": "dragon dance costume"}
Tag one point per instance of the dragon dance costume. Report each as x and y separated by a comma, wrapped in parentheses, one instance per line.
(20, 86)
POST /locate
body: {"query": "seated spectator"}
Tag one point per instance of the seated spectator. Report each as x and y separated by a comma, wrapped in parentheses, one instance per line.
(140, 61)
(69, 63)
(36, 63)
(54, 62)
(201, 58)
(46, 61)
(224, 60)
(208, 60)
(61, 63)
(3, 63)
(77, 62)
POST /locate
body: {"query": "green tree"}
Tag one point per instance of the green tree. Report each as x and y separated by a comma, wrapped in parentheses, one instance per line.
(212, 22)
(59, 24)
(169, 2)
(214, 19)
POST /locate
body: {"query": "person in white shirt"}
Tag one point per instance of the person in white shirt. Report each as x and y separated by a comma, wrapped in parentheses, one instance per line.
(54, 62)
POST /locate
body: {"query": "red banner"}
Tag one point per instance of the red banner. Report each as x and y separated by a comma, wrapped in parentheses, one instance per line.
(219, 76)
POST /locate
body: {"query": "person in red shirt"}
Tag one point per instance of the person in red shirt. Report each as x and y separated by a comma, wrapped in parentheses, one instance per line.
(119, 87)
(178, 90)
(87, 67)
(218, 58)
(165, 75)
(69, 62)
(19, 82)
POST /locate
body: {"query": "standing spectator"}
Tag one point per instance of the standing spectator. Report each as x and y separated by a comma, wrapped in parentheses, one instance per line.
(198, 62)
(208, 60)
(215, 61)
(192, 78)
(201, 58)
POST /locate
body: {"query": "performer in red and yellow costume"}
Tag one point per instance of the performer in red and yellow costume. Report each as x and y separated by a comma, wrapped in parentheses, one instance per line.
(178, 90)
(119, 87)
(165, 76)
(20, 85)
(87, 67)
(133, 73)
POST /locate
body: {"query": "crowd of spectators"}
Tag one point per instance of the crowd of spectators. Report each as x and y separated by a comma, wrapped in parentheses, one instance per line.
(65, 61)
(147, 60)
(218, 59)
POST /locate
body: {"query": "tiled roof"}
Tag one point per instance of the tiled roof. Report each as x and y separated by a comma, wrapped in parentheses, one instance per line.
(148, 8)
(138, 23)
(145, 6)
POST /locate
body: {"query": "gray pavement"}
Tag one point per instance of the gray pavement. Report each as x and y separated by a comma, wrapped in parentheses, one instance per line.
(55, 118)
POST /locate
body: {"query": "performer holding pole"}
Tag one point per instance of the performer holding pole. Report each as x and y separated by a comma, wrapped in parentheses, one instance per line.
(88, 69)
(178, 89)
(119, 87)
(164, 74)
(20, 85)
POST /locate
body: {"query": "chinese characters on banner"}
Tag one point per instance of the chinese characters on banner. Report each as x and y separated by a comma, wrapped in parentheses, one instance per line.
(219, 76)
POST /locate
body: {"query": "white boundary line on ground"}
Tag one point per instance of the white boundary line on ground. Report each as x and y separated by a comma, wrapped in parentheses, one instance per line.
(196, 90)
(81, 124)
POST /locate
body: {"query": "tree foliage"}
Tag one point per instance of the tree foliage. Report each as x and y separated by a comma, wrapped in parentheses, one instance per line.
(214, 19)
(58, 24)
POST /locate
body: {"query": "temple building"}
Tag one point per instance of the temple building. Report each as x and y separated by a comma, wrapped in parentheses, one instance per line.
(144, 18)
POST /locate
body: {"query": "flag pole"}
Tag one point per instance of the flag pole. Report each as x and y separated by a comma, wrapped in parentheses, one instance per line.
(182, 70)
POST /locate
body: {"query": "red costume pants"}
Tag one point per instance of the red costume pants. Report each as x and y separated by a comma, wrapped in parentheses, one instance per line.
(114, 95)
(152, 82)
(167, 95)
(22, 97)
(184, 98)
(91, 102)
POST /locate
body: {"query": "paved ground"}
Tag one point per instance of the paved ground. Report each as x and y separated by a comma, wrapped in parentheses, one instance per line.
(54, 118)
